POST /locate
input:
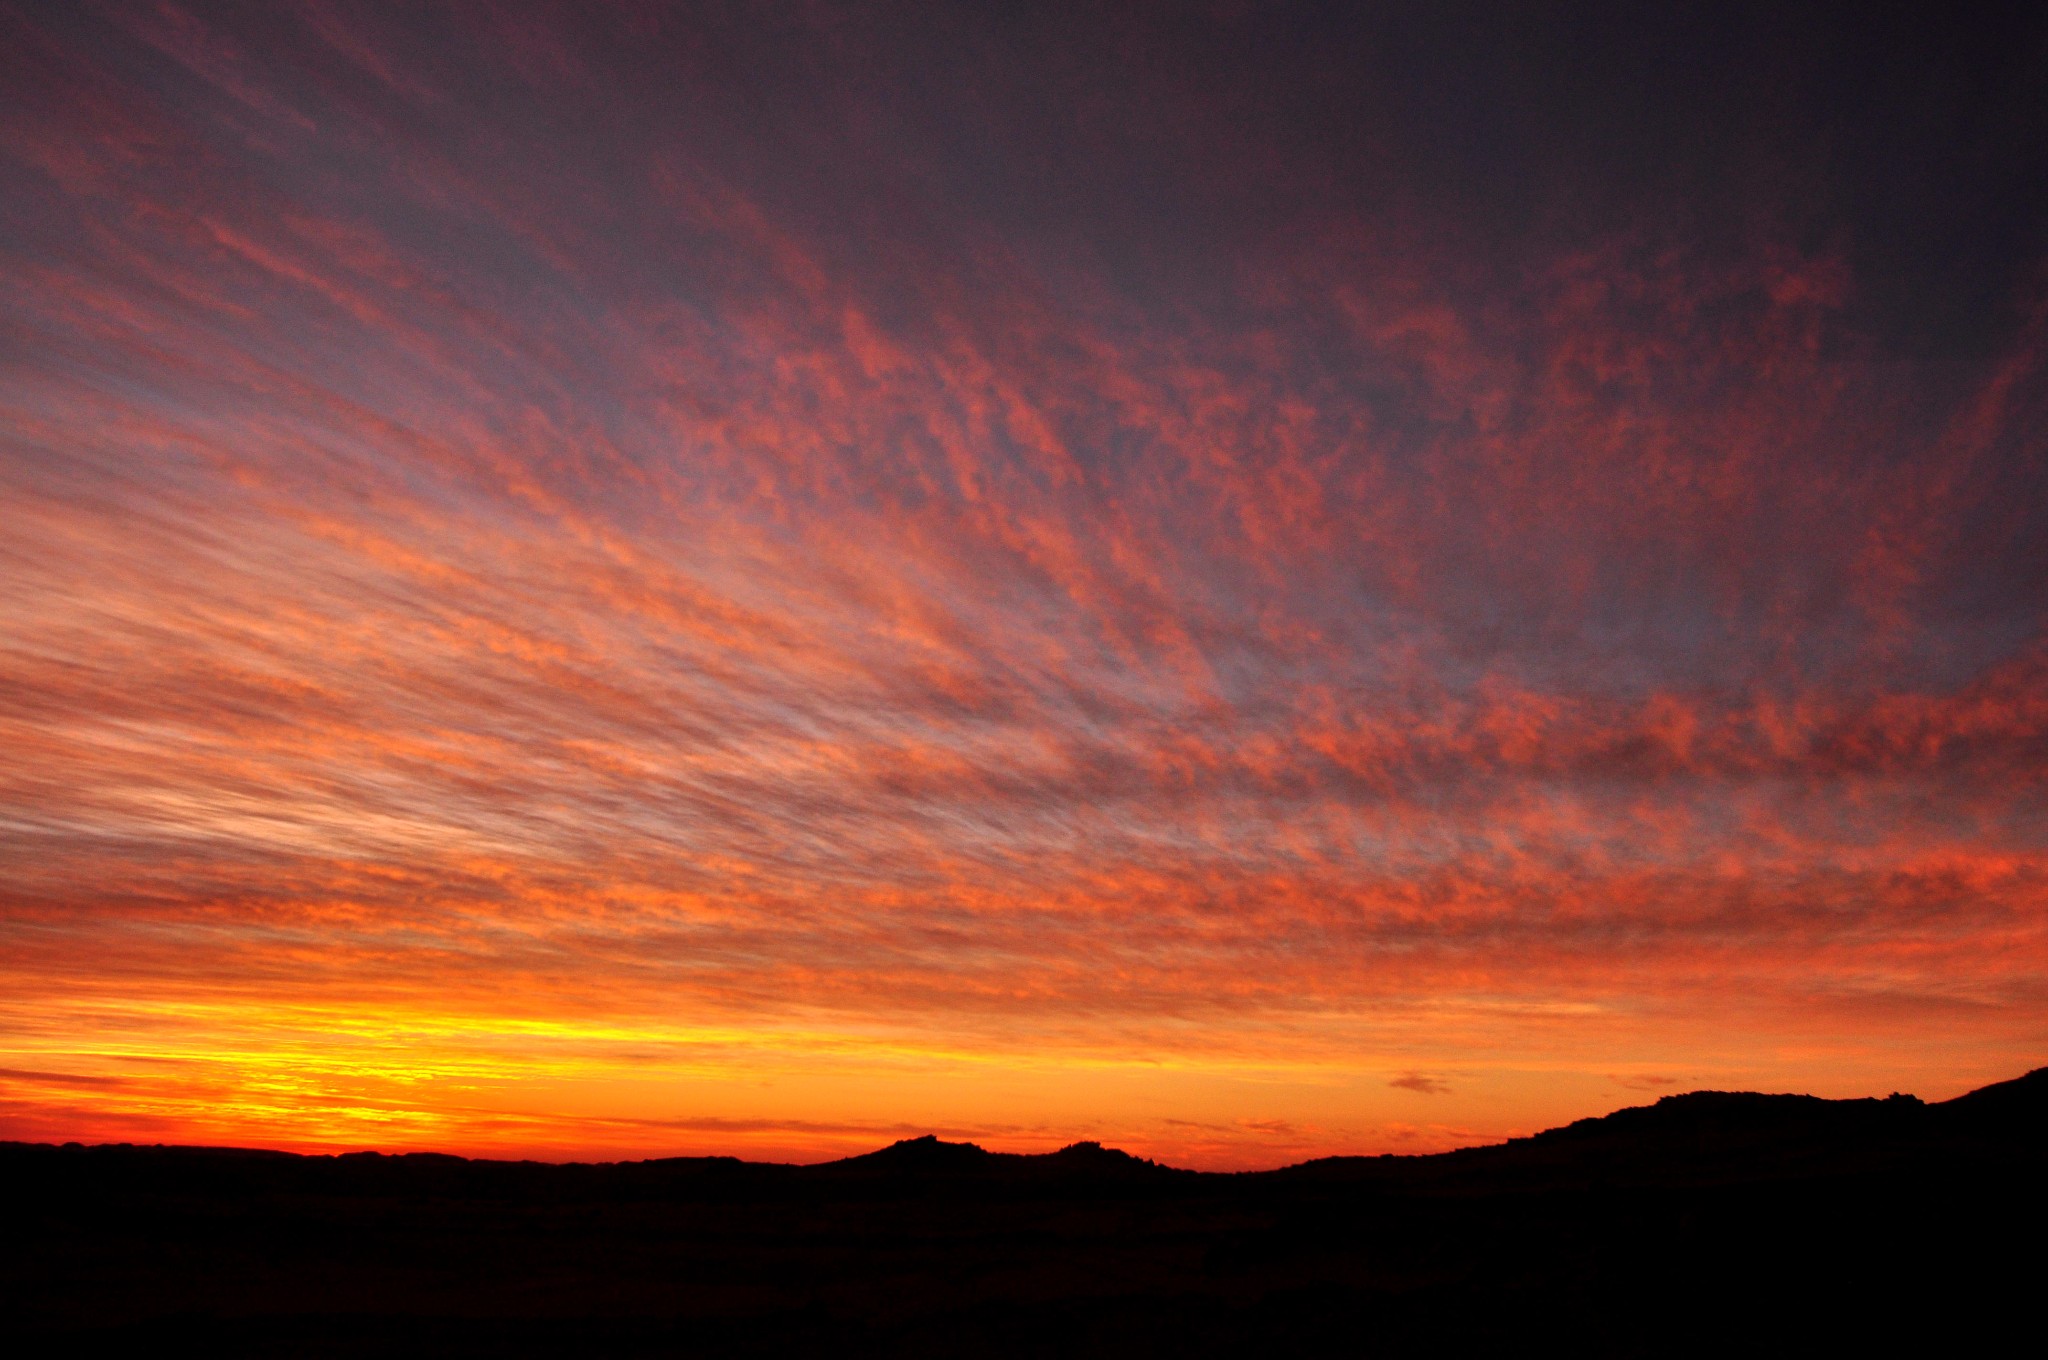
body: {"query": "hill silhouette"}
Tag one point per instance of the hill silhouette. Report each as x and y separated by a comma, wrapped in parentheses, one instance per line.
(930, 1157)
(1700, 1222)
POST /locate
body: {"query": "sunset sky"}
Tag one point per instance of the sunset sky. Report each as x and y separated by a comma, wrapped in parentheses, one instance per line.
(1246, 582)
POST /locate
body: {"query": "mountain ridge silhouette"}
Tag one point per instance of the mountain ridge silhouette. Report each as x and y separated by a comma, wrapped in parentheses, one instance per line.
(1699, 1223)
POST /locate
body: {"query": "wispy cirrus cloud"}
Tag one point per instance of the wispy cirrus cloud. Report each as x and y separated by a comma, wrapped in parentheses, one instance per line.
(486, 526)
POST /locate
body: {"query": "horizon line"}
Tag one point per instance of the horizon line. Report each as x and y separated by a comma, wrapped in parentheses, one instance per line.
(934, 1139)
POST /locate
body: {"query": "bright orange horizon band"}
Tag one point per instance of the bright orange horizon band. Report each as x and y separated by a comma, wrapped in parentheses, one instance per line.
(579, 586)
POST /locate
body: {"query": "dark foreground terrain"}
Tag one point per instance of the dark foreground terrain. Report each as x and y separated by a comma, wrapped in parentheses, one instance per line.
(1704, 1222)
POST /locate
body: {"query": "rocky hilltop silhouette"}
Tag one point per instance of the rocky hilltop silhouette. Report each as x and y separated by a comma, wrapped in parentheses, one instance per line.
(1701, 1222)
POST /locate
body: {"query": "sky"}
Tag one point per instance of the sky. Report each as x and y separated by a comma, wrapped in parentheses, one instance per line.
(1246, 582)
